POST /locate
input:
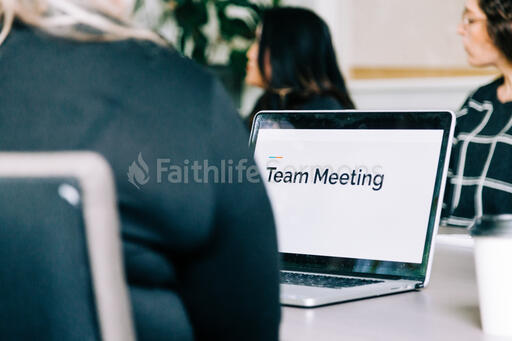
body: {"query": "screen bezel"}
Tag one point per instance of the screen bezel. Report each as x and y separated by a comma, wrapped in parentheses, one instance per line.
(358, 119)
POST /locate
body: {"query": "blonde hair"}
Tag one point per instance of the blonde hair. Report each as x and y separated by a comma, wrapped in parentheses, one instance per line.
(96, 20)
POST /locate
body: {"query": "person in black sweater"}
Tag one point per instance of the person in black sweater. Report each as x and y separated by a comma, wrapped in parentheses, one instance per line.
(201, 256)
(480, 179)
(294, 61)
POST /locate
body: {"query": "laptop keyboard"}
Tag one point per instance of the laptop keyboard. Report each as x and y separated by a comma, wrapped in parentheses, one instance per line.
(323, 281)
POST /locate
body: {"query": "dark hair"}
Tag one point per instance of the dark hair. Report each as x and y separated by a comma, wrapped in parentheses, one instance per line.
(499, 24)
(302, 59)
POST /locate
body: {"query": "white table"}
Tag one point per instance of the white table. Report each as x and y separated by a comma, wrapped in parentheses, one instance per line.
(446, 310)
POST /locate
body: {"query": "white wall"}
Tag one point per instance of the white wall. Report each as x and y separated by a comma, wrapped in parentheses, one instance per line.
(414, 93)
(407, 33)
(370, 33)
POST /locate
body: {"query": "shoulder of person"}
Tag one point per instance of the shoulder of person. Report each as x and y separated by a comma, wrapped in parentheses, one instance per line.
(322, 102)
(486, 92)
(159, 64)
(165, 61)
(478, 104)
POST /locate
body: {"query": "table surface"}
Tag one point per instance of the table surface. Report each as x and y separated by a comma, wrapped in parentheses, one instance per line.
(446, 310)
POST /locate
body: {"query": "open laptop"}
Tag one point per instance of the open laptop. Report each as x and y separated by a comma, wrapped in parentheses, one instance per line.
(356, 197)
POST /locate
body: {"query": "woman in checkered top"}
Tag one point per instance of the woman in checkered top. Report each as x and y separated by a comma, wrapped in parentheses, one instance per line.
(480, 177)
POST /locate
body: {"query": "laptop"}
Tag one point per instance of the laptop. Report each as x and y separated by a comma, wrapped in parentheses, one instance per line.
(356, 197)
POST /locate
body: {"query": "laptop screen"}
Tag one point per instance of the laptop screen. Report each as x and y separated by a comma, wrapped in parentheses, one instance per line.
(353, 191)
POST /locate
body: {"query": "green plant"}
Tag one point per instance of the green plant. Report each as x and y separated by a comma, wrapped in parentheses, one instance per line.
(204, 26)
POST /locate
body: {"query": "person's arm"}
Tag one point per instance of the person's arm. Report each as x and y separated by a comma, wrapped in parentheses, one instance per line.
(232, 288)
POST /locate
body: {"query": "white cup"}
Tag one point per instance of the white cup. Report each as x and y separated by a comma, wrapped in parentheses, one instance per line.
(493, 261)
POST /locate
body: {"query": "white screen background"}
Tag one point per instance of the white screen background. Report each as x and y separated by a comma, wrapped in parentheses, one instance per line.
(352, 221)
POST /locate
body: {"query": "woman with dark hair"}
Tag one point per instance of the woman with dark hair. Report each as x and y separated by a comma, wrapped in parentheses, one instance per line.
(294, 61)
(480, 181)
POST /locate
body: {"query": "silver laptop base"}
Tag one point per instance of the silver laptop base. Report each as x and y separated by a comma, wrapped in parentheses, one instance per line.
(309, 296)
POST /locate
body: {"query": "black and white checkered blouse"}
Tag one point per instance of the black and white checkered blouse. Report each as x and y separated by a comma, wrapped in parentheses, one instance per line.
(480, 175)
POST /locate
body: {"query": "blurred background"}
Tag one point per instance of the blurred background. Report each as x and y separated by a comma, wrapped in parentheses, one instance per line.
(394, 54)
